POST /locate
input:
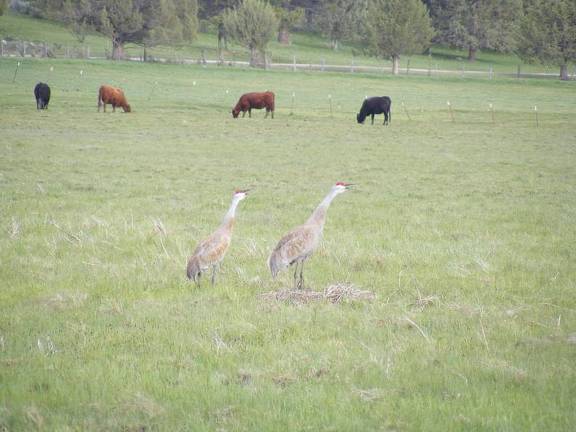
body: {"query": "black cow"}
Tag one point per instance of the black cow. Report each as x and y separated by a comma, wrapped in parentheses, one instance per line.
(375, 105)
(42, 93)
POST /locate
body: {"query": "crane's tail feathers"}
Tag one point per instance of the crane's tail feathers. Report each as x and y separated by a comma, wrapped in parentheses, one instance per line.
(193, 269)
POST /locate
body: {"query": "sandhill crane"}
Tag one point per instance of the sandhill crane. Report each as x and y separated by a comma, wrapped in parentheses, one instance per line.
(297, 246)
(210, 252)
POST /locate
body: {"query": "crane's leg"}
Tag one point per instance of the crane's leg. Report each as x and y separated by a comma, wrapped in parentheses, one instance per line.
(197, 280)
(214, 269)
(301, 281)
(296, 275)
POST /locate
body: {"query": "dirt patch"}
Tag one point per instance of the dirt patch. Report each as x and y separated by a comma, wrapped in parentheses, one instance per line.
(336, 293)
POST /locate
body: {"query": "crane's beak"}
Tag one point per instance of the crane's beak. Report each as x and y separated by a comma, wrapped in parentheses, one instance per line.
(244, 191)
(348, 186)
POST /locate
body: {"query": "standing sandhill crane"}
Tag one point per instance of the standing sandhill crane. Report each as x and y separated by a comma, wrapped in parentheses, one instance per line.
(297, 246)
(210, 252)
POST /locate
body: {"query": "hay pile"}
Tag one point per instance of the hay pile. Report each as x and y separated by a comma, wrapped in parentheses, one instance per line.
(336, 293)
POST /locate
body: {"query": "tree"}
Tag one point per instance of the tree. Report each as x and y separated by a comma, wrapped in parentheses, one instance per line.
(252, 24)
(122, 22)
(397, 27)
(548, 33)
(3, 6)
(210, 8)
(77, 16)
(339, 19)
(477, 24)
(144, 22)
(288, 17)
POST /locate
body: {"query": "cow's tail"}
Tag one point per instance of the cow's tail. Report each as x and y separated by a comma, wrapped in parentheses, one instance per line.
(99, 99)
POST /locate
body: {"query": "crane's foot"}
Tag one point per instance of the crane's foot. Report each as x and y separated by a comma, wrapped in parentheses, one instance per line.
(300, 284)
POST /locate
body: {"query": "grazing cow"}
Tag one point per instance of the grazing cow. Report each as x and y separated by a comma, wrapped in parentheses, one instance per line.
(113, 96)
(42, 93)
(254, 100)
(375, 105)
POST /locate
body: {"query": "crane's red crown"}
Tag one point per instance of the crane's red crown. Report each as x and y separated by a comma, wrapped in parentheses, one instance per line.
(244, 191)
(343, 184)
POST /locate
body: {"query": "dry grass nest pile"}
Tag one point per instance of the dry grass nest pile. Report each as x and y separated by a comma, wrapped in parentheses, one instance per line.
(336, 293)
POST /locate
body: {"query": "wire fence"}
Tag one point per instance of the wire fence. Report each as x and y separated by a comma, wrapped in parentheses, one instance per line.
(26, 49)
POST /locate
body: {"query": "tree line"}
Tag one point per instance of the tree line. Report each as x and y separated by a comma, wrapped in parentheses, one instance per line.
(536, 30)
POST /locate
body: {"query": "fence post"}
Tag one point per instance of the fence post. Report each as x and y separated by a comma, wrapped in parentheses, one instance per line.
(518, 72)
(294, 63)
(408, 66)
(322, 64)
(491, 72)
(352, 66)
(16, 72)
(450, 111)
(406, 111)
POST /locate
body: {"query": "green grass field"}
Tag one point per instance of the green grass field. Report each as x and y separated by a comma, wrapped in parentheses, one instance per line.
(463, 229)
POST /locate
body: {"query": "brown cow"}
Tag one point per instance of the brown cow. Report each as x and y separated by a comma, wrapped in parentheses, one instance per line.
(254, 100)
(113, 96)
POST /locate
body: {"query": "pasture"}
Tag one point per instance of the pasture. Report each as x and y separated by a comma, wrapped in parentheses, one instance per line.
(462, 225)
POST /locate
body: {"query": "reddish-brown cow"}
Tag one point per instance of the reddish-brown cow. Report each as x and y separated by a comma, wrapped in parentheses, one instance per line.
(113, 96)
(254, 100)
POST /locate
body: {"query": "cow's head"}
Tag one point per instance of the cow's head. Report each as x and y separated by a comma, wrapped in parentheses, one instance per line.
(235, 113)
(127, 108)
(360, 118)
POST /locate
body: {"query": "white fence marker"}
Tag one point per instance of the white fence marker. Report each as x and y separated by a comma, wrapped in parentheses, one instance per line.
(450, 110)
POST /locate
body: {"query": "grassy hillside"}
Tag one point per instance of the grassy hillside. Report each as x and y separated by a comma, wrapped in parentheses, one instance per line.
(307, 48)
(463, 229)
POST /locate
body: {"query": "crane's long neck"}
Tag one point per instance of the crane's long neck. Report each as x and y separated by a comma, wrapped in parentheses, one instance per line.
(319, 215)
(228, 220)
